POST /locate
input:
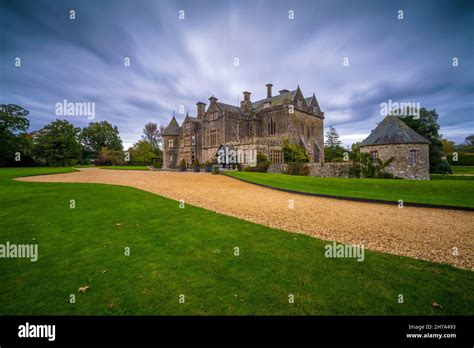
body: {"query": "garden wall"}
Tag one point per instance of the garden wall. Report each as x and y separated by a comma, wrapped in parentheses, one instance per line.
(324, 170)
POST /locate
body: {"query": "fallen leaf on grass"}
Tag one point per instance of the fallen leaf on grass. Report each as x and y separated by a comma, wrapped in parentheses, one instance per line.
(83, 289)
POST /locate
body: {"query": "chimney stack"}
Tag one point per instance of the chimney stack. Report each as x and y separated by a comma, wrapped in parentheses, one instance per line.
(201, 109)
(269, 90)
(245, 104)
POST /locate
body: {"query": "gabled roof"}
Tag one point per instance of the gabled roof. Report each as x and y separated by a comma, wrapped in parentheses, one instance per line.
(173, 128)
(191, 119)
(392, 130)
(229, 108)
(276, 100)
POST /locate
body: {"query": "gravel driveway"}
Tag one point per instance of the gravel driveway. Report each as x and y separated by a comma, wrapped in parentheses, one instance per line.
(424, 233)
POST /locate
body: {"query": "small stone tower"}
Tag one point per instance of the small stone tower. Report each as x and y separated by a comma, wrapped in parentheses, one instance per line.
(394, 138)
(171, 145)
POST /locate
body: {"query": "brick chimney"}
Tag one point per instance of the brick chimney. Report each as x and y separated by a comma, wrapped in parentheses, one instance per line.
(246, 104)
(269, 90)
(201, 109)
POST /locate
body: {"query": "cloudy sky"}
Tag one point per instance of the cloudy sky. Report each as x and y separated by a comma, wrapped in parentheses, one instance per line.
(175, 62)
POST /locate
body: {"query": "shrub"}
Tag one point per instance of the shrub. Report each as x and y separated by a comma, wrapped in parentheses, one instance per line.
(362, 166)
(215, 169)
(108, 157)
(182, 165)
(197, 167)
(297, 168)
(262, 164)
(208, 166)
(464, 159)
(294, 153)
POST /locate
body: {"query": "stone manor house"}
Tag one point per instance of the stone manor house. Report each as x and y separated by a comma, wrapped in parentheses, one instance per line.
(254, 125)
(263, 125)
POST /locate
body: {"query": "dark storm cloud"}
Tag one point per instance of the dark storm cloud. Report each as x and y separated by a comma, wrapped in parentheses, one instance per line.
(179, 62)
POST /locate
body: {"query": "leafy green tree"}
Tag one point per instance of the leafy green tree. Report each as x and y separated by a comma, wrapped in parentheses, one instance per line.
(427, 125)
(142, 152)
(13, 134)
(332, 148)
(57, 144)
(448, 146)
(98, 135)
(109, 157)
(469, 141)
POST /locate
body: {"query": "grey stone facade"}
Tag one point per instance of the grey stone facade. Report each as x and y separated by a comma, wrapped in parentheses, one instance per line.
(252, 127)
(411, 161)
(410, 151)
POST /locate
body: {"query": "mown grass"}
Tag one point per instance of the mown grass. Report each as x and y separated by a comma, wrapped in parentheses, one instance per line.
(463, 169)
(190, 251)
(439, 192)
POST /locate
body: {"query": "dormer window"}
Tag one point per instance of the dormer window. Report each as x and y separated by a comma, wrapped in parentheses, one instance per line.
(299, 103)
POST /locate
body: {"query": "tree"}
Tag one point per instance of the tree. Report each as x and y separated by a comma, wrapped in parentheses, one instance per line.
(57, 144)
(427, 125)
(13, 133)
(152, 134)
(332, 148)
(469, 140)
(142, 152)
(109, 157)
(448, 146)
(98, 135)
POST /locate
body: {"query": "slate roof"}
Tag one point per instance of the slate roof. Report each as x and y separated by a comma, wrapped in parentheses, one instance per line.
(173, 128)
(392, 130)
(229, 108)
(275, 100)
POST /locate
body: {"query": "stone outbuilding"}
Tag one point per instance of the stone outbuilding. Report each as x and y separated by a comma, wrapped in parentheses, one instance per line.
(394, 138)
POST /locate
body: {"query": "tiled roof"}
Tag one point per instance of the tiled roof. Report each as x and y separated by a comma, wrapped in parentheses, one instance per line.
(229, 108)
(392, 130)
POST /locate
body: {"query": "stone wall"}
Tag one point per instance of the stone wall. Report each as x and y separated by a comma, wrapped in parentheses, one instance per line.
(323, 170)
(329, 170)
(402, 166)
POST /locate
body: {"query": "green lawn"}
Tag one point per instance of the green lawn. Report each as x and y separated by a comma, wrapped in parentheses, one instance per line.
(190, 251)
(451, 177)
(463, 169)
(440, 192)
